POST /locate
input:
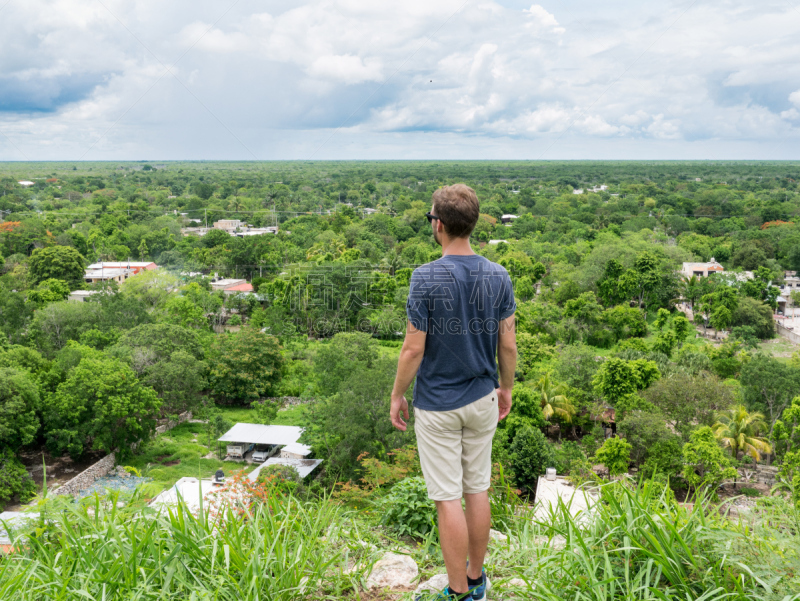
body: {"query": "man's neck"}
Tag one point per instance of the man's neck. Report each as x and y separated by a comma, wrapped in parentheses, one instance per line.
(456, 246)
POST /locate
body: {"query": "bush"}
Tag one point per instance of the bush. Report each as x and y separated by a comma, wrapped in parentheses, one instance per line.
(244, 366)
(615, 454)
(566, 455)
(664, 457)
(14, 479)
(748, 491)
(284, 478)
(530, 455)
(407, 510)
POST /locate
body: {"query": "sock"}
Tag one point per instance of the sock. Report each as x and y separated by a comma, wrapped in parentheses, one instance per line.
(472, 582)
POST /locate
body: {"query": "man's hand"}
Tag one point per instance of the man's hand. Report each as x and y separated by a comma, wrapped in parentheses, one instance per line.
(399, 405)
(503, 402)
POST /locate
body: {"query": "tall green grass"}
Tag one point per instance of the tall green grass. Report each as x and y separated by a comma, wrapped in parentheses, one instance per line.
(640, 544)
(98, 551)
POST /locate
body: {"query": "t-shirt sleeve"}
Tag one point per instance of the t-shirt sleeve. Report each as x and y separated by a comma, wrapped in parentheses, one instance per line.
(417, 308)
(508, 306)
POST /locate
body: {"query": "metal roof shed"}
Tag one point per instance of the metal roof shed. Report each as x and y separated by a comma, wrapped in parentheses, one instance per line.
(303, 466)
(260, 434)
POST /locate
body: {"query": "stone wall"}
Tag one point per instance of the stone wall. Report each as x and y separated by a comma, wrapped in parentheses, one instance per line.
(168, 425)
(763, 474)
(289, 401)
(87, 477)
(787, 333)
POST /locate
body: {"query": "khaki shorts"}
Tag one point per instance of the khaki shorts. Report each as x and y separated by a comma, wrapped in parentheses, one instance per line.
(455, 448)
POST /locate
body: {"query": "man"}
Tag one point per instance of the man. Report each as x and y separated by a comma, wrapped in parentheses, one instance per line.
(460, 314)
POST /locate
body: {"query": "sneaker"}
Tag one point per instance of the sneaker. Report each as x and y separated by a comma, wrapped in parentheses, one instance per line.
(479, 592)
(445, 595)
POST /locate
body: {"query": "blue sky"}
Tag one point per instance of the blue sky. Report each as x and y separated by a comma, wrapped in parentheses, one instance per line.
(367, 79)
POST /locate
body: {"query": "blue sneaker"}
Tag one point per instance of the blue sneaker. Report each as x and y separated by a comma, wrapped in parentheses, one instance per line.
(445, 595)
(479, 592)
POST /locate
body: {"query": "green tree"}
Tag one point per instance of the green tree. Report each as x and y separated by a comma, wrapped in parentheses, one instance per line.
(179, 381)
(617, 379)
(753, 313)
(531, 454)
(244, 366)
(266, 411)
(615, 454)
(100, 406)
(353, 421)
(336, 360)
(739, 430)
(49, 291)
(553, 399)
(681, 327)
(58, 262)
(688, 401)
(183, 312)
(19, 407)
(769, 385)
(705, 465)
(643, 430)
(15, 481)
(661, 319)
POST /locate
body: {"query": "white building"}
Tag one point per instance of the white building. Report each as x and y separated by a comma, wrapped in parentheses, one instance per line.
(107, 274)
(701, 269)
(578, 191)
(508, 218)
(80, 296)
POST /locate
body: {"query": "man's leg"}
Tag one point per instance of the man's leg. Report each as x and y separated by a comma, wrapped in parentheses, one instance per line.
(479, 521)
(455, 542)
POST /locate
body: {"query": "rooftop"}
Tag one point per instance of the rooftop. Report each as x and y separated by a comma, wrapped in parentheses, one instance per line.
(260, 434)
(303, 466)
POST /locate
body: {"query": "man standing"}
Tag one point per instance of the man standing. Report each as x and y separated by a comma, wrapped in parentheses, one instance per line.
(460, 316)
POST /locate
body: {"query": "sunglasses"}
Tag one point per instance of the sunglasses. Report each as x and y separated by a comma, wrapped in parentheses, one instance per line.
(431, 217)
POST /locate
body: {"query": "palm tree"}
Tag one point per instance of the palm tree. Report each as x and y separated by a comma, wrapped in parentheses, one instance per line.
(553, 399)
(739, 431)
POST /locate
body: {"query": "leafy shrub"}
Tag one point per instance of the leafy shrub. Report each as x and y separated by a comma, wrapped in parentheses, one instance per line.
(567, 454)
(284, 478)
(663, 457)
(14, 479)
(705, 464)
(530, 455)
(615, 454)
(407, 510)
(748, 491)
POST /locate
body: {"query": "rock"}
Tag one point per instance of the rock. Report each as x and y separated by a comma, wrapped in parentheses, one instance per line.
(392, 571)
(497, 537)
(435, 584)
(517, 583)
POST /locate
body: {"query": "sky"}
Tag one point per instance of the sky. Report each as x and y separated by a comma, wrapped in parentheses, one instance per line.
(418, 79)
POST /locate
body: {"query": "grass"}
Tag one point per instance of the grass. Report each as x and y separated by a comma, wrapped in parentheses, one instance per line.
(182, 451)
(638, 545)
(179, 453)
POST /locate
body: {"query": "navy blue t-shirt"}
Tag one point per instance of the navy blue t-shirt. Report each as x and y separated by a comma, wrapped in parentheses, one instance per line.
(459, 300)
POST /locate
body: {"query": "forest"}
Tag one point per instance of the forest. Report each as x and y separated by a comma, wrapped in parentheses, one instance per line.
(628, 370)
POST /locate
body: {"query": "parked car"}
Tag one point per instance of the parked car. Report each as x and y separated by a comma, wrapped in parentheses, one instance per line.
(264, 452)
(238, 451)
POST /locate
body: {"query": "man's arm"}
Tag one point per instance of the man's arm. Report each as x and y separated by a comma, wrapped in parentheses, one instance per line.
(407, 366)
(506, 364)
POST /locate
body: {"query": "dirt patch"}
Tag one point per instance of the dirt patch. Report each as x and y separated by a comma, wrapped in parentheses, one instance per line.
(173, 462)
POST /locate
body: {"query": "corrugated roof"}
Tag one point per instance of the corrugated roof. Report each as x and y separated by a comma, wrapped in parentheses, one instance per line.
(260, 434)
(297, 449)
(303, 466)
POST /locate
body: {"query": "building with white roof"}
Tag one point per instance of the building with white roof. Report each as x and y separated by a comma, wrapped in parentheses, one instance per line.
(508, 218)
(303, 466)
(136, 266)
(107, 274)
(701, 269)
(295, 450)
(80, 296)
(25, 183)
(261, 434)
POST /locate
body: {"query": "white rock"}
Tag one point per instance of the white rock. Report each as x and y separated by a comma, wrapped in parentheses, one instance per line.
(497, 537)
(517, 583)
(435, 584)
(392, 571)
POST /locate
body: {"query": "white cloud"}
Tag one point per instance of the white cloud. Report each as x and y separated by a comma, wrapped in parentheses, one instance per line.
(71, 71)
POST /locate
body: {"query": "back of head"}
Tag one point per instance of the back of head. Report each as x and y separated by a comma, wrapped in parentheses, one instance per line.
(458, 209)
